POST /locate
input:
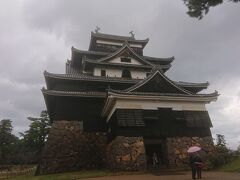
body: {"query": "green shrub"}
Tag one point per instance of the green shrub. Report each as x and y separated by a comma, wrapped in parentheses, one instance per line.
(221, 156)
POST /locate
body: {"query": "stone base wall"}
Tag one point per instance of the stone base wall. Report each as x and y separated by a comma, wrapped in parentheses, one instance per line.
(177, 148)
(126, 154)
(68, 148)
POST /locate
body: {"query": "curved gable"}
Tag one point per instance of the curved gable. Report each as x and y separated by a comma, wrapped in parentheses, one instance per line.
(125, 51)
(157, 83)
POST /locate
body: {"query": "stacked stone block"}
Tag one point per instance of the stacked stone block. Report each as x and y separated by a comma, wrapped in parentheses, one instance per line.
(178, 146)
(126, 154)
(69, 148)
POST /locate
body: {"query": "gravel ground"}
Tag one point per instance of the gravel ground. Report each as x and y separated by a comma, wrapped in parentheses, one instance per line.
(175, 176)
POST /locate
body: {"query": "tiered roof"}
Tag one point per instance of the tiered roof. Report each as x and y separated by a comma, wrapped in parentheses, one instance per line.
(115, 38)
(155, 85)
(157, 82)
(79, 55)
(76, 75)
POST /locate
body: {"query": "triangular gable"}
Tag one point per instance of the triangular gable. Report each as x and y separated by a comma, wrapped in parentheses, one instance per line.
(157, 82)
(125, 50)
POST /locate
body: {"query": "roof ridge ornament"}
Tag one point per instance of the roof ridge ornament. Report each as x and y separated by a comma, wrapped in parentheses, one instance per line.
(97, 29)
(216, 93)
(132, 34)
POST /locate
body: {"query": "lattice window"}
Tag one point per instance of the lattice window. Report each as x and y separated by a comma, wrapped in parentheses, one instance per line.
(127, 60)
(130, 117)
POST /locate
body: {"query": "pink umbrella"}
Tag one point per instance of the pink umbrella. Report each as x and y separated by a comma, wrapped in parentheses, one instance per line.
(193, 149)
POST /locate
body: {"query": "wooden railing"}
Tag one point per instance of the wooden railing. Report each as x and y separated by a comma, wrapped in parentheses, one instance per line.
(7, 172)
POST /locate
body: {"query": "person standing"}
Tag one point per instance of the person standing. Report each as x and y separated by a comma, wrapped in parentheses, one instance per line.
(199, 165)
(155, 158)
(192, 160)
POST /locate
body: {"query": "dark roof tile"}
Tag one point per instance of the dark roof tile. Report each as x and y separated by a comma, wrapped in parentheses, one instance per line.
(75, 75)
(214, 94)
(117, 37)
(148, 58)
(71, 93)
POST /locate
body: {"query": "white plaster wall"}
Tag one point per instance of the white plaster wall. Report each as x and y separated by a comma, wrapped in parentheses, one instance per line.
(97, 72)
(118, 73)
(118, 60)
(138, 74)
(114, 72)
(109, 72)
(118, 44)
(155, 104)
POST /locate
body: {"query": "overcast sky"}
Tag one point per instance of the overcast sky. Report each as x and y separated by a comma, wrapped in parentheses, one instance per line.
(38, 35)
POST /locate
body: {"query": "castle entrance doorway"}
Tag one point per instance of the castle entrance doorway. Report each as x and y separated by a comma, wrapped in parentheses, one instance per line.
(155, 151)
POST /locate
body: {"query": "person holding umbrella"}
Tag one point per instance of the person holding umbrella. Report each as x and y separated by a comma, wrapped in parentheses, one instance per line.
(199, 165)
(195, 161)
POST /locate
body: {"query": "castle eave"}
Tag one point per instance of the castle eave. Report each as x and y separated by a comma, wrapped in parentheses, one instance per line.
(158, 99)
(95, 36)
(73, 94)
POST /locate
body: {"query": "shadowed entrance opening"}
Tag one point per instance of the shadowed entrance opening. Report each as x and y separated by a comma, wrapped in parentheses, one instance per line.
(155, 154)
(126, 73)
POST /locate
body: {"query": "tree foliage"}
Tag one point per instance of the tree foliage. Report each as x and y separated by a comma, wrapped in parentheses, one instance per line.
(34, 138)
(221, 155)
(199, 8)
(220, 141)
(238, 150)
(8, 141)
(28, 148)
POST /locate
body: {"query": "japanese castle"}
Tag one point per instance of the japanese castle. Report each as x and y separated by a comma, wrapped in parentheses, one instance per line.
(115, 108)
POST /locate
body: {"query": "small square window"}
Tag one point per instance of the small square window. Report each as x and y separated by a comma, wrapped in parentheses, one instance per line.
(127, 60)
(103, 72)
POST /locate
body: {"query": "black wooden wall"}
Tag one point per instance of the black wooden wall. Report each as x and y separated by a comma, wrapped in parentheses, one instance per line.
(159, 123)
